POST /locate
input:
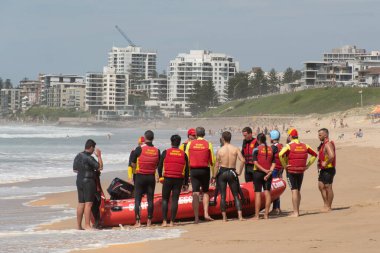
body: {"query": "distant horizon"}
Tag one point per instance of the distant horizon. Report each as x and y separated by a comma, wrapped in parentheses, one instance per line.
(74, 37)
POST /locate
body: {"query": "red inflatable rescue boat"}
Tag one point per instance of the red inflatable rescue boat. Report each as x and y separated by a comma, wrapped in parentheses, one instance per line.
(115, 212)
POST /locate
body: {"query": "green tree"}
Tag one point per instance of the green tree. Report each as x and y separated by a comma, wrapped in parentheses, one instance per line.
(297, 75)
(259, 83)
(237, 86)
(288, 76)
(273, 81)
(203, 97)
(1, 83)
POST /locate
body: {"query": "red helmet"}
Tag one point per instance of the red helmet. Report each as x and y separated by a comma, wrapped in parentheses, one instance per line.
(191, 131)
(293, 132)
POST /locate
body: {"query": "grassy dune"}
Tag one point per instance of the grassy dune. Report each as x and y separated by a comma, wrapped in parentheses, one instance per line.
(324, 100)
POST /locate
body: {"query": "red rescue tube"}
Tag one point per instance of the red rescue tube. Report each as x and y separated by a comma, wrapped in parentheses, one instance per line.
(115, 212)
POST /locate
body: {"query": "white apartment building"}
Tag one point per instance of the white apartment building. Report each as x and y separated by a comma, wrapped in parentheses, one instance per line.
(155, 88)
(58, 87)
(50, 80)
(32, 90)
(107, 90)
(343, 66)
(202, 66)
(10, 100)
(136, 62)
(67, 95)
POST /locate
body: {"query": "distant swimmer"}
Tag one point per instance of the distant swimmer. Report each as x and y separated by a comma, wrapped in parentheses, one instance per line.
(264, 160)
(173, 169)
(294, 159)
(131, 170)
(109, 136)
(326, 167)
(278, 169)
(249, 144)
(145, 160)
(226, 158)
(86, 168)
(201, 160)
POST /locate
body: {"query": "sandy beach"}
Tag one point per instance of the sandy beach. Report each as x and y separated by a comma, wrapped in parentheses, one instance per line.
(352, 226)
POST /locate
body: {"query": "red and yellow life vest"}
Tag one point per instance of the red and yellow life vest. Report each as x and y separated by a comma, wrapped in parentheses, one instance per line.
(248, 151)
(174, 163)
(199, 154)
(297, 158)
(148, 160)
(264, 158)
(324, 157)
(276, 156)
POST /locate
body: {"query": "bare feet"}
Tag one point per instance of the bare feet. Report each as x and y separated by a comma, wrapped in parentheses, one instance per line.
(137, 225)
(294, 215)
(224, 215)
(149, 223)
(266, 216)
(171, 224)
(89, 228)
(208, 218)
(80, 228)
(256, 217)
(325, 209)
(164, 223)
(196, 220)
(224, 219)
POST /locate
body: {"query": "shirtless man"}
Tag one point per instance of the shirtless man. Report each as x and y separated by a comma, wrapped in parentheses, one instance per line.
(226, 163)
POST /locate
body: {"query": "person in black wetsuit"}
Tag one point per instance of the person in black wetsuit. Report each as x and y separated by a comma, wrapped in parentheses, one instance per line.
(145, 160)
(226, 162)
(173, 169)
(86, 168)
(249, 144)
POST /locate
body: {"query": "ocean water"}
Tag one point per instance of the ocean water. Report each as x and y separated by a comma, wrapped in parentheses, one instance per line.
(37, 160)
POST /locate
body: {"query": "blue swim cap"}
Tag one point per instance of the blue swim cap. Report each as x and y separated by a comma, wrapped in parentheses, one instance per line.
(274, 135)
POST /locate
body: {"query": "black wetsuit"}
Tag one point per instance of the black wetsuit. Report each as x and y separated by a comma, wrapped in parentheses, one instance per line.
(86, 168)
(171, 186)
(144, 184)
(228, 175)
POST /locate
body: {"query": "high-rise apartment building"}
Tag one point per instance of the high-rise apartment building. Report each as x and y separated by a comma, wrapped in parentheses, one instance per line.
(10, 100)
(134, 61)
(202, 66)
(107, 90)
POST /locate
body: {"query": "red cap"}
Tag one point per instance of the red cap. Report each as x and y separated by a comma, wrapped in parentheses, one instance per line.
(141, 139)
(293, 132)
(191, 131)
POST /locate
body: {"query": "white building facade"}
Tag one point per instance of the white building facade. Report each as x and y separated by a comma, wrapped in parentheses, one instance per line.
(136, 62)
(202, 66)
(343, 66)
(107, 90)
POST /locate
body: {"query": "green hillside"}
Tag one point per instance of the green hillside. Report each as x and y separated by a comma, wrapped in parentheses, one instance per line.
(324, 100)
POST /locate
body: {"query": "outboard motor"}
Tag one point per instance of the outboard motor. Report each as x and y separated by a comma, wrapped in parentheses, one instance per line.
(119, 189)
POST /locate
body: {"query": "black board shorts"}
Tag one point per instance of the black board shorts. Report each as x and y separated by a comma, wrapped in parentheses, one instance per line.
(294, 180)
(200, 178)
(259, 183)
(326, 176)
(86, 189)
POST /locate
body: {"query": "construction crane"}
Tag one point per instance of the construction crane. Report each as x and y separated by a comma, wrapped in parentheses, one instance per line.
(125, 36)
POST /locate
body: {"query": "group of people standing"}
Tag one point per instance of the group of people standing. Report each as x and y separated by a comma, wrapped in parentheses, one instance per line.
(194, 159)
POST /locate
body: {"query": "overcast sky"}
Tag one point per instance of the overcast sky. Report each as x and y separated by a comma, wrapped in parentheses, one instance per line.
(74, 36)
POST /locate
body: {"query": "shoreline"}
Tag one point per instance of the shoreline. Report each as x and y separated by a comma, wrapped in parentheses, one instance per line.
(356, 203)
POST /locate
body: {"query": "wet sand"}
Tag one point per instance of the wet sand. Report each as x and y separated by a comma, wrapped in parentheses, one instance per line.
(352, 226)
